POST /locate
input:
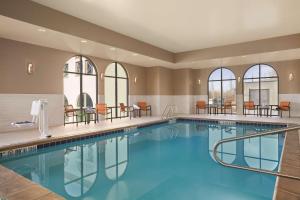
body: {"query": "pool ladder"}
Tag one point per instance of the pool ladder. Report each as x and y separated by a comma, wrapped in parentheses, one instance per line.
(271, 132)
(169, 111)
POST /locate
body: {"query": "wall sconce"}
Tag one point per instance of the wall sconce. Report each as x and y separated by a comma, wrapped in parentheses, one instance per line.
(135, 79)
(199, 82)
(30, 68)
(291, 76)
(101, 76)
(239, 79)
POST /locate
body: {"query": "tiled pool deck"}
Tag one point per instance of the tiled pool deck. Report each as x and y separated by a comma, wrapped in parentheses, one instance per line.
(286, 188)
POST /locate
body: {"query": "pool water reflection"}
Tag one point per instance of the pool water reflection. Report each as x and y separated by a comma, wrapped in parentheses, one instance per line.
(166, 161)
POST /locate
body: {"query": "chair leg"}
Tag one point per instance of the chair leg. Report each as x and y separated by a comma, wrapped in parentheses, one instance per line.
(289, 113)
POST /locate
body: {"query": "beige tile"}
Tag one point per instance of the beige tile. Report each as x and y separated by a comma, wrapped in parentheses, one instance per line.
(50, 196)
(32, 192)
(285, 195)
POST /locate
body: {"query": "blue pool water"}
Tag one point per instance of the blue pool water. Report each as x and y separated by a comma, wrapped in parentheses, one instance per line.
(165, 161)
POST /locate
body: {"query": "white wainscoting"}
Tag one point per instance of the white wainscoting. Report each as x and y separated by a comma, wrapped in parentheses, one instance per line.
(16, 107)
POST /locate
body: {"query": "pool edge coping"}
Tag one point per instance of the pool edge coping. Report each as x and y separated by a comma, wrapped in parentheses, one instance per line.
(120, 129)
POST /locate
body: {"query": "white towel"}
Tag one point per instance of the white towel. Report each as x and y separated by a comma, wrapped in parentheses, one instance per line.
(35, 108)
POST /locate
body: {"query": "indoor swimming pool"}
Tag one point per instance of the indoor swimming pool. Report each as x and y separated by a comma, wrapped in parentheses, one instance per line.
(166, 161)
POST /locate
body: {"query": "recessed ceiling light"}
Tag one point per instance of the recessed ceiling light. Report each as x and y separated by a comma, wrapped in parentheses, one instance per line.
(135, 54)
(83, 41)
(244, 56)
(41, 30)
(112, 48)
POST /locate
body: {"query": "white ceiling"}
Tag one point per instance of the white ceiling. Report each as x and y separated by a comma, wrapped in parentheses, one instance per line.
(29, 33)
(184, 25)
(25, 32)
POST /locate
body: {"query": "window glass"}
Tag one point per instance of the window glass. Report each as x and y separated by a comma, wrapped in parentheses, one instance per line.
(222, 87)
(121, 71)
(215, 75)
(110, 70)
(80, 84)
(261, 86)
(227, 74)
(267, 71)
(253, 72)
(115, 87)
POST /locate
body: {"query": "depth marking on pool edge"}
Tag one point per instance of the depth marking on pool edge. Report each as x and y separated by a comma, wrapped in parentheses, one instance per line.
(129, 129)
(18, 151)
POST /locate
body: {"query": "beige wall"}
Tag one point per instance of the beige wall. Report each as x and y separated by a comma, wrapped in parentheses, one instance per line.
(159, 81)
(48, 76)
(182, 82)
(283, 68)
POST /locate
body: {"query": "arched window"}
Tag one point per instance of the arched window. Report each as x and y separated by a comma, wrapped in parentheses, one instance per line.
(261, 85)
(80, 82)
(115, 87)
(222, 87)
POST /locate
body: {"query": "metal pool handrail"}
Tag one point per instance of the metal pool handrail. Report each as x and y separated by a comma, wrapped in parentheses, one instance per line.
(271, 132)
(168, 111)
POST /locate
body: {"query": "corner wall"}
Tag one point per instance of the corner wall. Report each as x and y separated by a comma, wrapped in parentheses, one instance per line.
(158, 86)
(18, 89)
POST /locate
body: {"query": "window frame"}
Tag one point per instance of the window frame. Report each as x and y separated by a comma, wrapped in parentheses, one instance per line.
(79, 64)
(116, 77)
(221, 80)
(259, 78)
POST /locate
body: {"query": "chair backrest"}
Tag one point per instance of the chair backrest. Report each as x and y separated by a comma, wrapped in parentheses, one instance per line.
(249, 105)
(227, 104)
(201, 104)
(69, 110)
(284, 104)
(101, 108)
(122, 107)
(142, 105)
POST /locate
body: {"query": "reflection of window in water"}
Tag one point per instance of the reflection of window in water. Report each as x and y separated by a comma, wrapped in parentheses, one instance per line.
(116, 157)
(226, 151)
(80, 169)
(262, 152)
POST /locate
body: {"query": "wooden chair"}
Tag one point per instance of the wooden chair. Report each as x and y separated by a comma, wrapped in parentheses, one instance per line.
(249, 105)
(201, 105)
(227, 106)
(144, 107)
(70, 112)
(126, 110)
(102, 109)
(284, 106)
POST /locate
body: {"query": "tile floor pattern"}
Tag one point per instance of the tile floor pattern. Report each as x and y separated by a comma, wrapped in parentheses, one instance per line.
(16, 187)
(286, 189)
(289, 189)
